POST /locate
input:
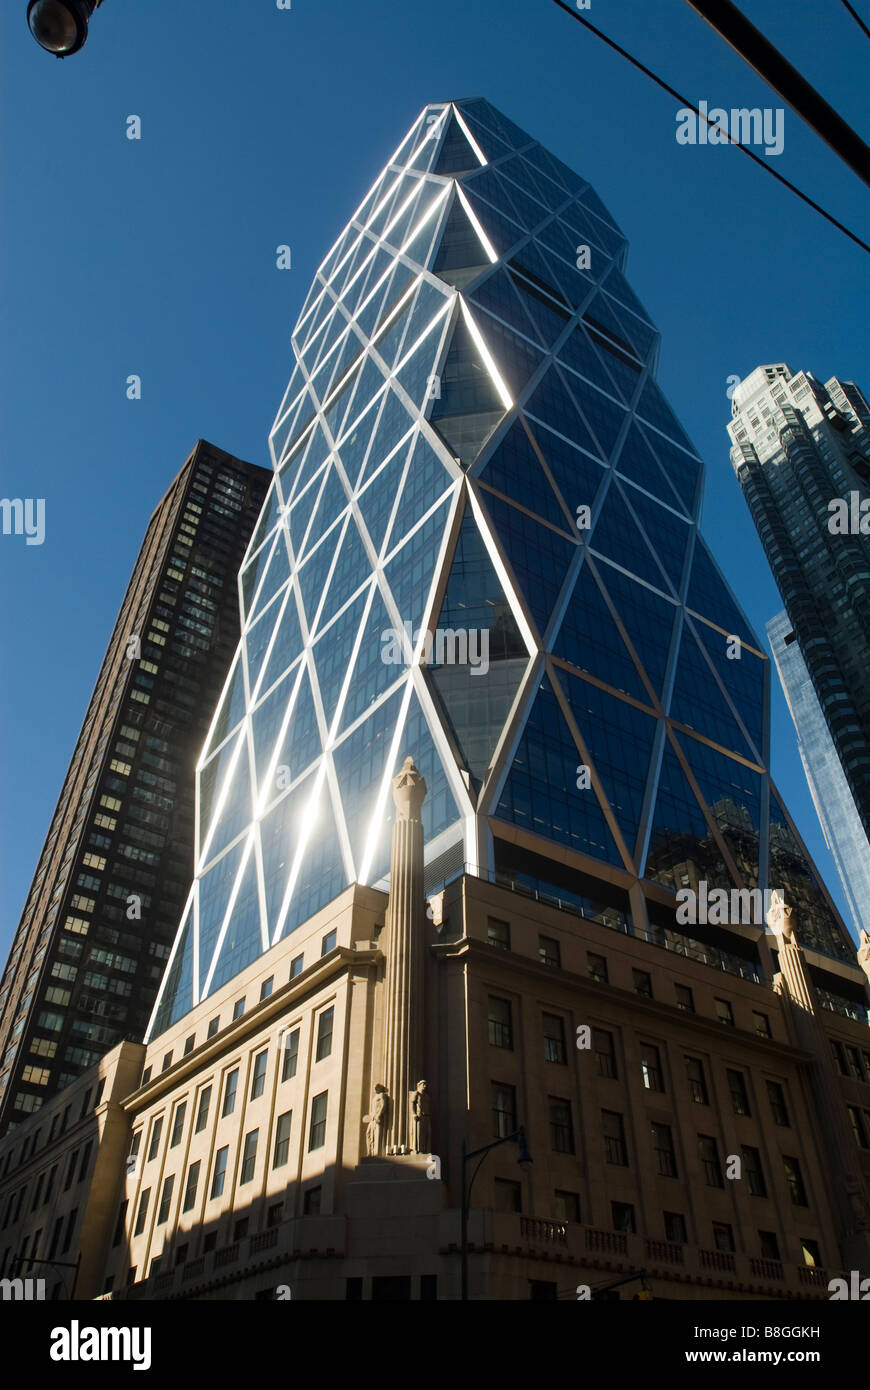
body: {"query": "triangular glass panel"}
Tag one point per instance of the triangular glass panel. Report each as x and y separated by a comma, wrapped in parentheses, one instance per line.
(516, 358)
(313, 576)
(680, 839)
(332, 654)
(647, 617)
(497, 295)
(214, 892)
(243, 940)
(682, 471)
(387, 345)
(322, 874)
(415, 376)
(621, 366)
(653, 408)
(732, 792)
(280, 832)
(617, 536)
(351, 568)
(698, 701)
(429, 303)
(578, 353)
(253, 573)
(638, 462)
(300, 745)
(331, 503)
(299, 515)
(514, 469)
(794, 876)
(477, 657)
(638, 332)
(553, 405)
(540, 557)
(490, 143)
(619, 738)
(589, 638)
(378, 497)
(469, 406)
(742, 677)
(353, 449)
(599, 316)
(667, 533)
(372, 675)
(268, 518)
(577, 476)
(411, 569)
(177, 998)
(232, 705)
(549, 318)
(288, 644)
(604, 417)
(427, 479)
(501, 232)
(237, 810)
(460, 256)
(541, 793)
(276, 575)
(709, 595)
(360, 763)
(455, 155)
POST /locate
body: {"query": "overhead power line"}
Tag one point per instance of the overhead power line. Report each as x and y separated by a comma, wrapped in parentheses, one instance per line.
(684, 101)
(779, 74)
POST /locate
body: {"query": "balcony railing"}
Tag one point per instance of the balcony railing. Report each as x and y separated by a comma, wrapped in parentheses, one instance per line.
(718, 1259)
(227, 1256)
(811, 1274)
(266, 1240)
(533, 1229)
(606, 1242)
(664, 1250)
(767, 1269)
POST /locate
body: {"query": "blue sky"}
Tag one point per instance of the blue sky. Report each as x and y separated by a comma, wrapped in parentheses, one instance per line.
(262, 127)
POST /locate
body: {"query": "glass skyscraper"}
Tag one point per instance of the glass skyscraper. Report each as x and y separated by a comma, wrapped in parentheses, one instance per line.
(835, 806)
(801, 452)
(473, 445)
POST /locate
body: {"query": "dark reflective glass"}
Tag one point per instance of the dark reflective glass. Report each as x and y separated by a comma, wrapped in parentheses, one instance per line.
(378, 498)
(667, 533)
(552, 403)
(541, 793)
(426, 480)
(743, 678)
(617, 536)
(647, 617)
(515, 469)
(733, 794)
(589, 639)
(360, 762)
(682, 849)
(243, 941)
(539, 556)
(455, 155)
(460, 255)
(698, 701)
(410, 571)
(709, 595)
(792, 874)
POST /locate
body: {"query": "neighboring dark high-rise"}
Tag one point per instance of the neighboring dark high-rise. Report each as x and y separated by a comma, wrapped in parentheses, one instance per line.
(115, 870)
(801, 452)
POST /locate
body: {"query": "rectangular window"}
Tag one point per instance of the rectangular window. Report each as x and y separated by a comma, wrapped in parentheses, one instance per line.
(675, 1227)
(753, 1171)
(685, 998)
(142, 1212)
(238, 1009)
(811, 1253)
(311, 1201)
(724, 1011)
(165, 1199)
(596, 967)
(188, 1044)
(642, 981)
(697, 1081)
(202, 1110)
(220, 1172)
(709, 1154)
(504, 1110)
(258, 1075)
(859, 1129)
(723, 1236)
(230, 1088)
(651, 1067)
(549, 952)
(567, 1206)
(249, 1155)
(614, 1138)
(739, 1093)
(500, 1023)
(282, 1139)
(622, 1216)
(178, 1125)
(213, 1026)
(317, 1128)
(778, 1107)
(71, 1225)
(605, 1054)
(853, 1061)
(190, 1186)
(266, 988)
(291, 1054)
(663, 1147)
(554, 1039)
(296, 966)
(498, 933)
(561, 1127)
(839, 1057)
(795, 1181)
(769, 1245)
(154, 1144)
(329, 942)
(324, 1035)
(761, 1024)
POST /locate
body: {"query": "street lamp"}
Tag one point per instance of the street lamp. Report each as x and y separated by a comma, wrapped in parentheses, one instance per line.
(60, 26)
(524, 1159)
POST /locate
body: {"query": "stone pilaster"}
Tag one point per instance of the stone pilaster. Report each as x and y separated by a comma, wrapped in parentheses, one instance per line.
(404, 947)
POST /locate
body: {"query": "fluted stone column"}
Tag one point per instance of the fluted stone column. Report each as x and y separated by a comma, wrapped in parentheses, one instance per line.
(404, 945)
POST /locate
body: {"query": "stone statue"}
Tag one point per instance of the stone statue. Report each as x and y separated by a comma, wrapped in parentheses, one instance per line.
(421, 1121)
(780, 919)
(409, 791)
(864, 953)
(375, 1122)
